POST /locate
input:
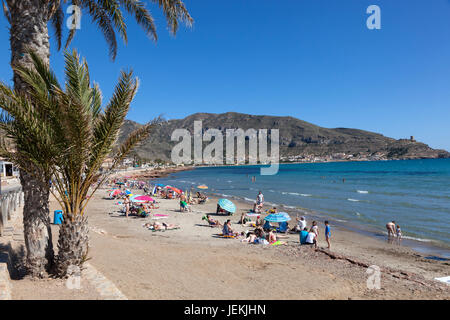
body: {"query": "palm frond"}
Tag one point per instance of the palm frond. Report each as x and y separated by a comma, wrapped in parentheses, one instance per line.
(112, 7)
(56, 19)
(175, 11)
(109, 122)
(6, 11)
(103, 20)
(143, 17)
(136, 137)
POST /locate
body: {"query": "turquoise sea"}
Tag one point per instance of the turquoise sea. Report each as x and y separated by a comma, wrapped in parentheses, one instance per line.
(366, 195)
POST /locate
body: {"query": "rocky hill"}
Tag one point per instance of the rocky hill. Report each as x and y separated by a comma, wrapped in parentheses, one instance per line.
(298, 139)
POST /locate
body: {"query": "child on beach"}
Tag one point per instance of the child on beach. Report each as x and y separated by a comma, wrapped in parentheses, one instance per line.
(327, 233)
(399, 233)
(315, 228)
(311, 239)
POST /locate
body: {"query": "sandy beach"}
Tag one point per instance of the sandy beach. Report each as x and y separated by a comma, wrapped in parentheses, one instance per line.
(195, 263)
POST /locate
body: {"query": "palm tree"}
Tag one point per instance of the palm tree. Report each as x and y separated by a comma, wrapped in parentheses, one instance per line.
(30, 146)
(71, 135)
(29, 21)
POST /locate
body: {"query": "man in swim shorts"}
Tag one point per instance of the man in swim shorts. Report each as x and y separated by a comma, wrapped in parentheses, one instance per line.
(390, 226)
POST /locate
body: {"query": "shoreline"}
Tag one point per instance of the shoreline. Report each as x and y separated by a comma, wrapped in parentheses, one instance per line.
(428, 247)
(150, 173)
(312, 162)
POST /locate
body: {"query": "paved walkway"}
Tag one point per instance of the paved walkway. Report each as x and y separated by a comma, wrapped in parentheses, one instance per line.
(94, 285)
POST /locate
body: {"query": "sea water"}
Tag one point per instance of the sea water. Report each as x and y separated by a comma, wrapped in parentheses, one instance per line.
(414, 193)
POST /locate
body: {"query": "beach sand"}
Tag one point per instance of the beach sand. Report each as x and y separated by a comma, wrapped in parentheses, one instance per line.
(194, 263)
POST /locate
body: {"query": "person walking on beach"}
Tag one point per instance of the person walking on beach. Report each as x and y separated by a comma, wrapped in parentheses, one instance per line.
(327, 234)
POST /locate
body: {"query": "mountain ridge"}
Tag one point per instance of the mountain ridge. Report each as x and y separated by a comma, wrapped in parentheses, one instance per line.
(299, 140)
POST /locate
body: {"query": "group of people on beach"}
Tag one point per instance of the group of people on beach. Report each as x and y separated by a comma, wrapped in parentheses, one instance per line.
(263, 232)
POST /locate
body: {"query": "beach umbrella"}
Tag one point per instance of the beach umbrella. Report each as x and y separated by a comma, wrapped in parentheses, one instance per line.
(202, 187)
(114, 193)
(127, 192)
(227, 205)
(285, 214)
(159, 185)
(133, 199)
(174, 189)
(121, 183)
(277, 217)
(142, 198)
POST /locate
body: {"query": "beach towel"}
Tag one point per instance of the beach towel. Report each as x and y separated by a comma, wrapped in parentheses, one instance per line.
(176, 228)
(253, 214)
(227, 236)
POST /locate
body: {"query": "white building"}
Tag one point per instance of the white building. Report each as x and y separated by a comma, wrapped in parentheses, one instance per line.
(7, 169)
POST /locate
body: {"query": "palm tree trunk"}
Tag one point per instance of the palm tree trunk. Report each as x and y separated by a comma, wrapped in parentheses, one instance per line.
(73, 243)
(28, 19)
(36, 223)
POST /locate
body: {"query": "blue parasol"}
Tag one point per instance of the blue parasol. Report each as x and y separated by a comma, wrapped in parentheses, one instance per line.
(227, 205)
(277, 217)
(284, 213)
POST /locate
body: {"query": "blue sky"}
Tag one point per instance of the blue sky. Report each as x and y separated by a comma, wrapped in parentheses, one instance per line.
(311, 59)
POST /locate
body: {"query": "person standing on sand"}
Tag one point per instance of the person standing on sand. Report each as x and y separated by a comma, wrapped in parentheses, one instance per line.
(390, 226)
(315, 228)
(399, 233)
(126, 202)
(327, 234)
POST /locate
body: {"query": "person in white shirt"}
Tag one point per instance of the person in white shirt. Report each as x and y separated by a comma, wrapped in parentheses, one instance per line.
(301, 224)
(315, 228)
(260, 198)
(312, 238)
(259, 202)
